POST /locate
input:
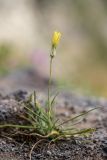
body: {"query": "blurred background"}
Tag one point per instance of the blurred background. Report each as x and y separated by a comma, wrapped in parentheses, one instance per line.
(26, 28)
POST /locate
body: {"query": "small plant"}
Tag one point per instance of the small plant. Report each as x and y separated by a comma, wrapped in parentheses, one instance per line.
(41, 119)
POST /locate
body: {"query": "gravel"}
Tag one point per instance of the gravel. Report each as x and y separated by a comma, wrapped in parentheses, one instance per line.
(93, 147)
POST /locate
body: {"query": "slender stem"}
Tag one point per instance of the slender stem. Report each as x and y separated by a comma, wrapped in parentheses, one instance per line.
(49, 85)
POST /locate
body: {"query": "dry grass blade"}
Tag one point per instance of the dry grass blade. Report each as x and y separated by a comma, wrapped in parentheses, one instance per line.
(30, 154)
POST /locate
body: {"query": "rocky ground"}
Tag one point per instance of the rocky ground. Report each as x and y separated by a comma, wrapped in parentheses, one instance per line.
(68, 104)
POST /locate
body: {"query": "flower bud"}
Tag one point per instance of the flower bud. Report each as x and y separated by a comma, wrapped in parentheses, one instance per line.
(55, 41)
(56, 38)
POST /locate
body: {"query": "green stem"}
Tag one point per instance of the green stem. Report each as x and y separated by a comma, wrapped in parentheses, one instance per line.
(49, 85)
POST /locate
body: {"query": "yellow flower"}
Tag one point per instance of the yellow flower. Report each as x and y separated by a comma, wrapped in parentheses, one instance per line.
(56, 38)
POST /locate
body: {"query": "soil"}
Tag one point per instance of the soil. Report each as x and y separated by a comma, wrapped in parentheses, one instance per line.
(67, 104)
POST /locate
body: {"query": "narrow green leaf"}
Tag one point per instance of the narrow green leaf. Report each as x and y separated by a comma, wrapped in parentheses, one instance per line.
(35, 114)
(80, 115)
(52, 102)
(16, 126)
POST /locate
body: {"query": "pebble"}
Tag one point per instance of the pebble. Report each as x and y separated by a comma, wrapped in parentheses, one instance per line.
(49, 153)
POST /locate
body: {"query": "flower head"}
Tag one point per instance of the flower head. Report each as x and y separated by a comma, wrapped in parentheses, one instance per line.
(56, 38)
(55, 41)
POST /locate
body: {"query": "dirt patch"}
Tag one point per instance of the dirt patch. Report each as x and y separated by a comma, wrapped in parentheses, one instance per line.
(91, 148)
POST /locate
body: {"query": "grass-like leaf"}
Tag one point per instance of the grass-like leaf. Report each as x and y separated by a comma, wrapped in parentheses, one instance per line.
(76, 117)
